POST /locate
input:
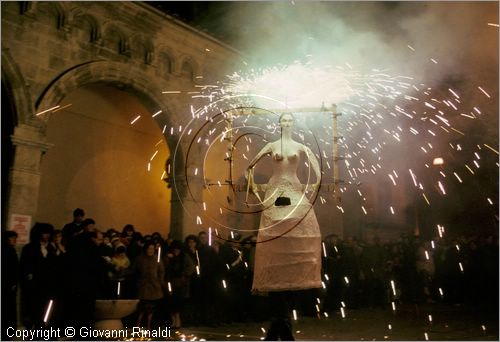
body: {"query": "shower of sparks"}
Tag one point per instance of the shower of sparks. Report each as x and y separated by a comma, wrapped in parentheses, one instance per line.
(381, 113)
(491, 148)
(61, 108)
(48, 311)
(47, 110)
(135, 120)
(484, 92)
(154, 155)
(156, 114)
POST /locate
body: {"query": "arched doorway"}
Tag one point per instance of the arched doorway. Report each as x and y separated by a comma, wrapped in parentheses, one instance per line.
(105, 162)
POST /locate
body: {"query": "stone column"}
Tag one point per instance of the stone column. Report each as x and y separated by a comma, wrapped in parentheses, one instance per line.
(24, 175)
(185, 203)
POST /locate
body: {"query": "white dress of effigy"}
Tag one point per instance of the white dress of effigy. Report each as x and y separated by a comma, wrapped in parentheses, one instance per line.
(288, 250)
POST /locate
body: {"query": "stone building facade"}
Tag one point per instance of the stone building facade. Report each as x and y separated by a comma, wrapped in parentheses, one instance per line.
(52, 49)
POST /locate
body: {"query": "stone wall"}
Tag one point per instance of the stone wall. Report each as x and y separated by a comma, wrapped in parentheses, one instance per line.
(50, 49)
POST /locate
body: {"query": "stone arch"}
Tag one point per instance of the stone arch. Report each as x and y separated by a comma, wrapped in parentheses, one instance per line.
(21, 99)
(188, 68)
(142, 48)
(113, 37)
(166, 61)
(124, 76)
(56, 9)
(132, 79)
(89, 24)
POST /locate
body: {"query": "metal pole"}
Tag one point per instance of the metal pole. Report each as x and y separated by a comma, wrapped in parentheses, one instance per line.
(229, 158)
(336, 178)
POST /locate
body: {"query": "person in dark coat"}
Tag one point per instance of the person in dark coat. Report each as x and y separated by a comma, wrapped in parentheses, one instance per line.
(74, 227)
(178, 271)
(37, 275)
(88, 276)
(10, 278)
(150, 275)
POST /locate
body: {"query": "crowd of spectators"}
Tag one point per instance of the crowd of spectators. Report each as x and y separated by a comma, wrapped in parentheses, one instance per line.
(192, 282)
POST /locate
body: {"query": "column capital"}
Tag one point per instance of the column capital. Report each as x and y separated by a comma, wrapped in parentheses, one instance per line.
(29, 136)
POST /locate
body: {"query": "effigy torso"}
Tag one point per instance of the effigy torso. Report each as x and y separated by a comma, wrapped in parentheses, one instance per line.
(288, 252)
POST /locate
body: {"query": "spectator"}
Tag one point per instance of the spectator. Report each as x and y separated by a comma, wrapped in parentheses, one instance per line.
(127, 233)
(179, 269)
(36, 275)
(74, 227)
(150, 275)
(88, 276)
(60, 285)
(10, 278)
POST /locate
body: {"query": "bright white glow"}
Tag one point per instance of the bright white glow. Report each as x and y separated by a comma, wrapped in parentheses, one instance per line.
(224, 284)
(294, 314)
(438, 161)
(159, 254)
(296, 86)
